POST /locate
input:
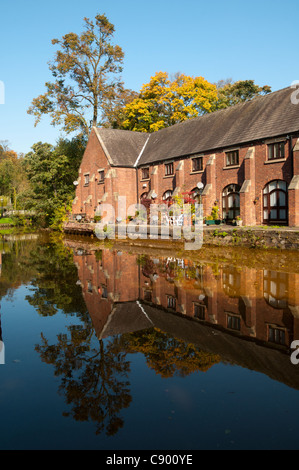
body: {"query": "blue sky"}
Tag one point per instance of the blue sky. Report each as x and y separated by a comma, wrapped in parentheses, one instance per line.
(235, 39)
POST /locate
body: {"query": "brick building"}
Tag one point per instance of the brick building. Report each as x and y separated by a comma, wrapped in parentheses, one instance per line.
(245, 156)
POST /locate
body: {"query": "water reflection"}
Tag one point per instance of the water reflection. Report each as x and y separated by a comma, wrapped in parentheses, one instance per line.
(242, 315)
(182, 316)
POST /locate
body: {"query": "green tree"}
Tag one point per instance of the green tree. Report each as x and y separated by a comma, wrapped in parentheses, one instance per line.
(51, 171)
(229, 93)
(86, 71)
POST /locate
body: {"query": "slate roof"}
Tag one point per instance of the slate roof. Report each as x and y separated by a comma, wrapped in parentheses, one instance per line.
(123, 147)
(264, 117)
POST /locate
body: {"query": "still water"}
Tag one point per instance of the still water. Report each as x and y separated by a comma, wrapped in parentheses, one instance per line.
(120, 347)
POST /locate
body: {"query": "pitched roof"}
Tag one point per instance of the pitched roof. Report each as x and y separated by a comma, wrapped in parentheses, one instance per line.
(264, 117)
(121, 147)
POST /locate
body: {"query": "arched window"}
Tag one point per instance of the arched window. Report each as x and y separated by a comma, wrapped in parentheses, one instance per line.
(275, 203)
(231, 202)
(143, 197)
(196, 195)
(167, 196)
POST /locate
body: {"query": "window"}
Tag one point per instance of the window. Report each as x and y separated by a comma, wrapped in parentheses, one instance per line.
(276, 151)
(199, 311)
(168, 169)
(86, 179)
(145, 173)
(89, 287)
(275, 203)
(231, 202)
(167, 196)
(232, 158)
(171, 302)
(101, 176)
(197, 164)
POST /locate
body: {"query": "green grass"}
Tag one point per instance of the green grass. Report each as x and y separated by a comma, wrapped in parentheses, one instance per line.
(6, 221)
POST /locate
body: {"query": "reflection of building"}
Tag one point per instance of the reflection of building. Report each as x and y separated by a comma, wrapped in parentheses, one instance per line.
(233, 313)
(258, 304)
(246, 158)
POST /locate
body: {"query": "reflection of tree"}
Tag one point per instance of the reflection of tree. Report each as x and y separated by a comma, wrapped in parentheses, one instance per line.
(169, 356)
(94, 380)
(54, 285)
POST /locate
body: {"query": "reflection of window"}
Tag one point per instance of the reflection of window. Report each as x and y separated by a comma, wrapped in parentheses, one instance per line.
(276, 151)
(104, 292)
(171, 302)
(276, 335)
(231, 282)
(275, 288)
(199, 311)
(233, 322)
(148, 295)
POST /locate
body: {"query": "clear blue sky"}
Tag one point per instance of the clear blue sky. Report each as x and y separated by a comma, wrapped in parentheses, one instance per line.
(217, 39)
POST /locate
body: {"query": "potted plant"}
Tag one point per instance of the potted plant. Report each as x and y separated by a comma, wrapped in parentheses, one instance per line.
(239, 221)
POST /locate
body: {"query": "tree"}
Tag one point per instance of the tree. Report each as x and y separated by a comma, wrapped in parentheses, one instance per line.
(230, 93)
(51, 171)
(86, 72)
(163, 102)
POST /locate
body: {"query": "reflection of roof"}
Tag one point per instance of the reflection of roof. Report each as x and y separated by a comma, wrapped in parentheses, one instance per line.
(125, 318)
(236, 350)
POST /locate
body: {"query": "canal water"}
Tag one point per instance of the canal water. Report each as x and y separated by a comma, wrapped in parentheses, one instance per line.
(117, 346)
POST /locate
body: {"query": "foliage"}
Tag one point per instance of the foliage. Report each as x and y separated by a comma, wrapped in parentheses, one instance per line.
(169, 356)
(215, 212)
(163, 102)
(241, 91)
(86, 72)
(51, 171)
(13, 179)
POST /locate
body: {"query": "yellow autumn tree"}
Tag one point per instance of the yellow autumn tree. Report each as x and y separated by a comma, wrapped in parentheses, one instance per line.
(163, 102)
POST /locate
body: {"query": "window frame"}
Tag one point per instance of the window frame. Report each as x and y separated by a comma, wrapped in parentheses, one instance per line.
(86, 179)
(170, 166)
(146, 175)
(101, 180)
(275, 148)
(195, 160)
(228, 155)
